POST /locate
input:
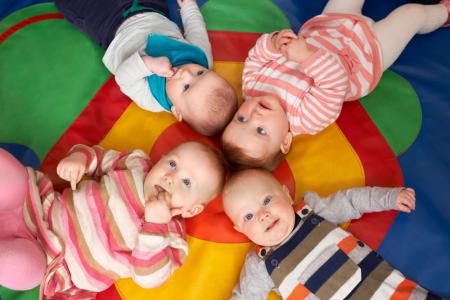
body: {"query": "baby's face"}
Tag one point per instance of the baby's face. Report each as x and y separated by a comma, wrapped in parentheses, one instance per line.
(260, 208)
(188, 87)
(185, 175)
(259, 127)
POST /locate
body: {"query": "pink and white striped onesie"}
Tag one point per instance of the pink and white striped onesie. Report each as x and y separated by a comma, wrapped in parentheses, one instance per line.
(97, 234)
(345, 66)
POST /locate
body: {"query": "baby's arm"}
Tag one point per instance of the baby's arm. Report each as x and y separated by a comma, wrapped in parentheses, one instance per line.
(160, 249)
(352, 203)
(255, 283)
(96, 161)
(195, 28)
(263, 52)
(131, 76)
(322, 101)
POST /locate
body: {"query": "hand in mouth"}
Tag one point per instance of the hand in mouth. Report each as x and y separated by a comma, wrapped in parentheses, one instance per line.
(161, 193)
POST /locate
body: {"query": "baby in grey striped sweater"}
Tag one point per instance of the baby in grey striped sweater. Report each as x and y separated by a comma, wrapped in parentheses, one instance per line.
(301, 253)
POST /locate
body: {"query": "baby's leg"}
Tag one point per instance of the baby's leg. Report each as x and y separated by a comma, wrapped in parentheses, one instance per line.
(13, 182)
(22, 262)
(396, 30)
(21, 259)
(344, 6)
(100, 19)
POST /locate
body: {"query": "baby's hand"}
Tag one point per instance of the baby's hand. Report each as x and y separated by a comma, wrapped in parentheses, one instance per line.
(282, 38)
(72, 168)
(157, 210)
(161, 66)
(406, 200)
(296, 50)
(181, 3)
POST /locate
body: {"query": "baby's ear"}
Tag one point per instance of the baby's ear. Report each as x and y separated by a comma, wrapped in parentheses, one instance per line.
(176, 112)
(286, 191)
(286, 143)
(193, 211)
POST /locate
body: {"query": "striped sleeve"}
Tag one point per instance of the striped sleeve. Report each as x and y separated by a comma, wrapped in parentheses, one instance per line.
(160, 249)
(100, 161)
(262, 53)
(323, 100)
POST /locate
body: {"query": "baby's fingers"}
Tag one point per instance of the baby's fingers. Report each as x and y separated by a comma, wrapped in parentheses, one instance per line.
(406, 205)
(287, 33)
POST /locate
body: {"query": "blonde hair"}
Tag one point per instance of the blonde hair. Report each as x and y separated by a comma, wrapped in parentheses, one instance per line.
(220, 104)
(216, 159)
(238, 159)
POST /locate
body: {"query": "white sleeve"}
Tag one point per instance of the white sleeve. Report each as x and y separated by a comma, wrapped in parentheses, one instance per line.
(255, 283)
(131, 76)
(195, 29)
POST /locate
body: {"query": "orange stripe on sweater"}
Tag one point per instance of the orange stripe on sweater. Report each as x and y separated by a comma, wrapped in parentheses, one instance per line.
(348, 244)
(300, 292)
(404, 290)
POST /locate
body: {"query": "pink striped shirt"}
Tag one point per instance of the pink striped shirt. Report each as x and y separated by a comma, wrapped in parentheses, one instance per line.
(97, 234)
(345, 66)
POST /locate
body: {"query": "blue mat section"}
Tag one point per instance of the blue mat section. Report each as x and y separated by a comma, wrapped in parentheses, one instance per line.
(23, 154)
(417, 244)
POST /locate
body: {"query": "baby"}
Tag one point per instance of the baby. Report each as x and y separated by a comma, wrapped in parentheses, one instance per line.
(127, 223)
(297, 83)
(153, 63)
(301, 252)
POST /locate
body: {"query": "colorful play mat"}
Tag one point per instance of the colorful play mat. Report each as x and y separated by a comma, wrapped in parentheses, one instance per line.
(55, 92)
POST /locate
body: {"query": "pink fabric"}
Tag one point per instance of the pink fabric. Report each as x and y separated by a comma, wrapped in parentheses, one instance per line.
(22, 260)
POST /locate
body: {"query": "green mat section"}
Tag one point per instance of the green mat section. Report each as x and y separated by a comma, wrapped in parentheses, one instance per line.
(395, 109)
(6, 294)
(244, 15)
(47, 61)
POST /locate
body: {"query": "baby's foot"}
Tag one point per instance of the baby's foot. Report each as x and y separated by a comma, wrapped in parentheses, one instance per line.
(446, 3)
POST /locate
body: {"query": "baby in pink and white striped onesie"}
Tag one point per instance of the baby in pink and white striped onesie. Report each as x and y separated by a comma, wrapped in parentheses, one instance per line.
(297, 83)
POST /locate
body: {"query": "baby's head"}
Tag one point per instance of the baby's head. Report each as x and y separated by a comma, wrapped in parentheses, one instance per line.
(201, 98)
(258, 135)
(259, 206)
(192, 174)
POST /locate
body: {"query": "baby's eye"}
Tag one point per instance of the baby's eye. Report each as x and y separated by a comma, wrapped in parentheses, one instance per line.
(248, 217)
(241, 119)
(261, 131)
(172, 164)
(187, 182)
(267, 200)
(185, 87)
(200, 72)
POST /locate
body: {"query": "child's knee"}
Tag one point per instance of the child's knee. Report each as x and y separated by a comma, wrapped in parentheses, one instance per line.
(23, 264)
(13, 181)
(412, 11)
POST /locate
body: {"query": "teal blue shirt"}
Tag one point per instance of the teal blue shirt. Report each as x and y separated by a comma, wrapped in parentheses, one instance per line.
(179, 53)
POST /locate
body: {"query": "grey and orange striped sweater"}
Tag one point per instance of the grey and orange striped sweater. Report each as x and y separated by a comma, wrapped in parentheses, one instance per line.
(320, 260)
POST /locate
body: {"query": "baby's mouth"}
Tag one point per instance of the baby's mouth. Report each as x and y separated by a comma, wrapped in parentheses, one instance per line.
(272, 225)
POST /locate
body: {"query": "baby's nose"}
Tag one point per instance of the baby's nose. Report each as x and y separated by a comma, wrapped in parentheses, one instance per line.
(263, 215)
(168, 179)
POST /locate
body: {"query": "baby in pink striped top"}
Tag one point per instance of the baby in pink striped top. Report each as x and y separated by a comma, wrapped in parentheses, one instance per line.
(297, 83)
(127, 223)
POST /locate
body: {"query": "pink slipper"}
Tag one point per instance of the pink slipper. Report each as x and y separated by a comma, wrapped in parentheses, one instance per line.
(446, 3)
